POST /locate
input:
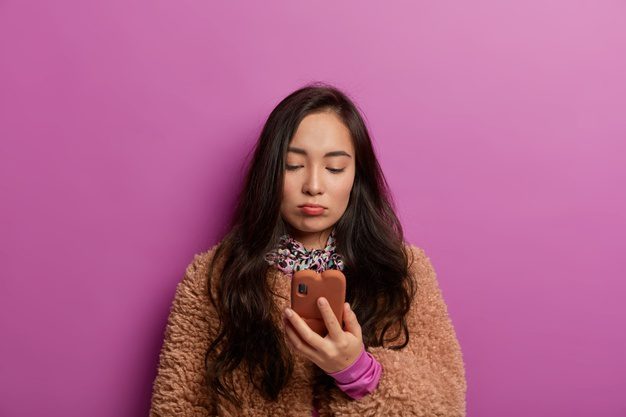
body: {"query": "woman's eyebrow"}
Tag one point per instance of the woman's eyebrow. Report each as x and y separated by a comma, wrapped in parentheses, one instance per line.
(333, 153)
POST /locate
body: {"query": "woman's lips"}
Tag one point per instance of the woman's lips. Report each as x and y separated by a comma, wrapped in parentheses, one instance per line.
(312, 211)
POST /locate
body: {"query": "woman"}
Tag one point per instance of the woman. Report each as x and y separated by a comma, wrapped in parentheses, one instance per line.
(233, 347)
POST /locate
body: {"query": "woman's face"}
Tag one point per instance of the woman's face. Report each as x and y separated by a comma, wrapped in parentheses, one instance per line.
(320, 170)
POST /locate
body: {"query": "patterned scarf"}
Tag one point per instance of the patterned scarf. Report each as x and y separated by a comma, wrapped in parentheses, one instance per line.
(290, 256)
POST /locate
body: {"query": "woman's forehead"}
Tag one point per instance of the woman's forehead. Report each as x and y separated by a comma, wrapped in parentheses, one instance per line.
(323, 135)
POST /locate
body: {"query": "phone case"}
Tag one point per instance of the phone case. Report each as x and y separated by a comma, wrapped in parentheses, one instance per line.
(307, 286)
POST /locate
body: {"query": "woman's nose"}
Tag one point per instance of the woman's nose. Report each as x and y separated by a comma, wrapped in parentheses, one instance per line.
(313, 182)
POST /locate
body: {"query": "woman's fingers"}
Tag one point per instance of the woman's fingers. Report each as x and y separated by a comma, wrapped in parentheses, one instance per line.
(332, 324)
(329, 353)
(303, 331)
(297, 343)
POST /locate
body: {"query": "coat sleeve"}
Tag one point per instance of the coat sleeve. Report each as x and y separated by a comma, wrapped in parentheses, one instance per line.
(179, 388)
(427, 377)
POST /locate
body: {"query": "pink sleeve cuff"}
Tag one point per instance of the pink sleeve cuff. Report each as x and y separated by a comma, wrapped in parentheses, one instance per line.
(360, 378)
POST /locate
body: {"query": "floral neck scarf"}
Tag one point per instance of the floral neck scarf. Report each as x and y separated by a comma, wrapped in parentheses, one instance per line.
(290, 255)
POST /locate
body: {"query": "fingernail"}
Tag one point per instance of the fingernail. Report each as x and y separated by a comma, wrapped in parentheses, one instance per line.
(288, 312)
(321, 301)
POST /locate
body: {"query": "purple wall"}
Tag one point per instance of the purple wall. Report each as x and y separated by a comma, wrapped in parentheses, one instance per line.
(501, 128)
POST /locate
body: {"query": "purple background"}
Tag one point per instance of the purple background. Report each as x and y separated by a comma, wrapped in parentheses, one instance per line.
(500, 126)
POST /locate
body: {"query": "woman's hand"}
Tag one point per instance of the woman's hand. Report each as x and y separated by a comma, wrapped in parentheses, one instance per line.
(334, 352)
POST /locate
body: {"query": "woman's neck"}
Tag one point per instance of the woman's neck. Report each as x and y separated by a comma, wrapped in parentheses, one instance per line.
(311, 240)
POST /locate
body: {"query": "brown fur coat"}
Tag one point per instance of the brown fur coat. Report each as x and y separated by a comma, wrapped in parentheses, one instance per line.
(426, 378)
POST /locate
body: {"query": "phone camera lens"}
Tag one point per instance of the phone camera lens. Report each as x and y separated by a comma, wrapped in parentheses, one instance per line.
(302, 288)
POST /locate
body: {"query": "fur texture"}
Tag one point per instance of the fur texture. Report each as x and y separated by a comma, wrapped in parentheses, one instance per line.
(426, 378)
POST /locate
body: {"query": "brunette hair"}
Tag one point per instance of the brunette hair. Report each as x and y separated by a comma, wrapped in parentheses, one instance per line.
(369, 238)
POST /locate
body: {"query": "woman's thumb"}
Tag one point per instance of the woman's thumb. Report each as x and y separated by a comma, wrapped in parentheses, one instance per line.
(351, 323)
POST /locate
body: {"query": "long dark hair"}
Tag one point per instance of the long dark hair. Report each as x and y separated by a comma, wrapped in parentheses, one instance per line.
(369, 238)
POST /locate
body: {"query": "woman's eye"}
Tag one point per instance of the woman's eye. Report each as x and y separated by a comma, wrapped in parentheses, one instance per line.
(295, 167)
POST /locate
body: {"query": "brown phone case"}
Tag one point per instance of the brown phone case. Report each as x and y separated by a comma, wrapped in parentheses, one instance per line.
(307, 286)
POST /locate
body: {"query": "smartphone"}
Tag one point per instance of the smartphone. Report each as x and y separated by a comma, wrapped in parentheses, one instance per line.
(307, 286)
